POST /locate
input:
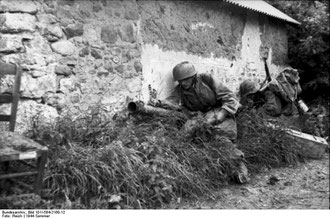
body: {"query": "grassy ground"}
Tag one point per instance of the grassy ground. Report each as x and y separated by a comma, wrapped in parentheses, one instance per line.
(146, 161)
(305, 186)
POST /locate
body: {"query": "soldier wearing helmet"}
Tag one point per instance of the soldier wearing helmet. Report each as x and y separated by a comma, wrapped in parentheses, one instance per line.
(248, 90)
(248, 87)
(265, 99)
(200, 92)
(214, 101)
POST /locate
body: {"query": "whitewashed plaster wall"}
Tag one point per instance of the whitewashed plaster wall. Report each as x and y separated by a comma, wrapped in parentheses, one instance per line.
(158, 64)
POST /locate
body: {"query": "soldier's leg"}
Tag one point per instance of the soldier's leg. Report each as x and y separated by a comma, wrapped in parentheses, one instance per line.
(226, 132)
(227, 128)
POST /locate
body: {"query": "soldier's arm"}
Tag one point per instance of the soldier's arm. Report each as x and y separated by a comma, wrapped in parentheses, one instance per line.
(224, 95)
(173, 101)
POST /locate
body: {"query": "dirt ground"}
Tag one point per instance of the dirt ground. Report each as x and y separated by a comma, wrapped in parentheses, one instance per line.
(303, 187)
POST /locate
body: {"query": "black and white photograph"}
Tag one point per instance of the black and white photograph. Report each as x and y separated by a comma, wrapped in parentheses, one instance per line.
(169, 108)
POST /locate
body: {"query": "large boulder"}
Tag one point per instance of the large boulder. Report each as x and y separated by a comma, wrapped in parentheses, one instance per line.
(64, 47)
(36, 87)
(73, 30)
(128, 33)
(10, 43)
(23, 6)
(63, 70)
(109, 34)
(17, 23)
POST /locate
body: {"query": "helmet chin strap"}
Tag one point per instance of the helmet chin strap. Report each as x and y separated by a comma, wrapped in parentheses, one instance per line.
(191, 84)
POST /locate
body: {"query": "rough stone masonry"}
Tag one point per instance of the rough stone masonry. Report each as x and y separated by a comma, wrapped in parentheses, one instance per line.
(76, 53)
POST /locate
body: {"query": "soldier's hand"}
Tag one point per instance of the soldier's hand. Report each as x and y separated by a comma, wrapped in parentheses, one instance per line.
(221, 116)
(214, 117)
(153, 102)
(210, 117)
(190, 125)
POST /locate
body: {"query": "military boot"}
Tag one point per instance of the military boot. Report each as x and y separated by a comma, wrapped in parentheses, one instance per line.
(242, 175)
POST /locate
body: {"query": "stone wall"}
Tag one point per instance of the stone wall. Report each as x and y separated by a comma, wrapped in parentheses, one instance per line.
(76, 53)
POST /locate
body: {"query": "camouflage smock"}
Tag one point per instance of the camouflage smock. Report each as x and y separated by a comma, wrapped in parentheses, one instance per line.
(205, 94)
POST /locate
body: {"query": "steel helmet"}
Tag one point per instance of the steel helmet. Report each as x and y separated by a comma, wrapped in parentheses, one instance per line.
(183, 70)
(248, 87)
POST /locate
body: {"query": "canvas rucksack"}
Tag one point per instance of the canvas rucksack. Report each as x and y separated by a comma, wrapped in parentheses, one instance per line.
(286, 85)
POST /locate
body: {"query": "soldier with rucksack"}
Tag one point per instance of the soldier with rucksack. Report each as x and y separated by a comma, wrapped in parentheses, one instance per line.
(280, 96)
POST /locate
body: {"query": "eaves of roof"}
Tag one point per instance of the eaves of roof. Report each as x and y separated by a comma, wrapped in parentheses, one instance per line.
(264, 8)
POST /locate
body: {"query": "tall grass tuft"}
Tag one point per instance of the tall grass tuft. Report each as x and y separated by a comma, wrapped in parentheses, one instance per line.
(266, 145)
(147, 160)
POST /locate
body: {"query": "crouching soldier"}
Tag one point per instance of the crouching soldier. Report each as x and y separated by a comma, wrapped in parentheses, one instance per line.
(265, 101)
(211, 99)
(276, 100)
(279, 101)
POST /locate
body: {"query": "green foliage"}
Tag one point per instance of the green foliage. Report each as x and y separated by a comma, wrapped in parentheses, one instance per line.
(146, 160)
(309, 44)
(264, 144)
(25, 202)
